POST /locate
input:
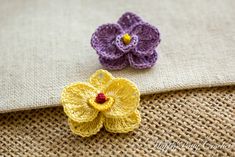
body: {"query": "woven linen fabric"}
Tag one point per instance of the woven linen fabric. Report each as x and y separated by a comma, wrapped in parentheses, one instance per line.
(45, 45)
(197, 122)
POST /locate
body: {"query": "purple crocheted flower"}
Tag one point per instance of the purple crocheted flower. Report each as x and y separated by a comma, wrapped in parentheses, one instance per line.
(129, 42)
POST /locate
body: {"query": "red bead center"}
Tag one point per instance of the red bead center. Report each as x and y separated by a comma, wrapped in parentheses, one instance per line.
(100, 98)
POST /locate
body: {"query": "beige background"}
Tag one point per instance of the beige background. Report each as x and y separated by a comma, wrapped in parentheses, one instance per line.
(45, 45)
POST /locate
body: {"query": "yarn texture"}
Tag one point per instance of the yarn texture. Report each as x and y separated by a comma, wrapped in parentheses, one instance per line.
(86, 115)
(129, 42)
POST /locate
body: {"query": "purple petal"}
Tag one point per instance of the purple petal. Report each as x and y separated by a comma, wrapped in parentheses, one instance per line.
(126, 48)
(114, 64)
(142, 62)
(149, 38)
(103, 41)
(128, 19)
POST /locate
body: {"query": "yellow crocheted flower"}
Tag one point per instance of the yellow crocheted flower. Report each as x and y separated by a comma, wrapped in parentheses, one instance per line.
(104, 101)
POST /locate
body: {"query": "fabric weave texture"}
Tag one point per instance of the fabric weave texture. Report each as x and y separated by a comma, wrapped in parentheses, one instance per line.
(45, 45)
(192, 117)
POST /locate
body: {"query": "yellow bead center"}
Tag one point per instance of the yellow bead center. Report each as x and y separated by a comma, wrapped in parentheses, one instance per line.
(126, 38)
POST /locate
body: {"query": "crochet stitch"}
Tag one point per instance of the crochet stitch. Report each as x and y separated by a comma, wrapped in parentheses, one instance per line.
(104, 101)
(129, 42)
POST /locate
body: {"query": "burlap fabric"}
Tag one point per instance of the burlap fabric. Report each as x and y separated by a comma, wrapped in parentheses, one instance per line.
(197, 122)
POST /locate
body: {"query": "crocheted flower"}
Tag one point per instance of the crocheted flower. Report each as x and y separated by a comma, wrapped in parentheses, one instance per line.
(129, 42)
(104, 101)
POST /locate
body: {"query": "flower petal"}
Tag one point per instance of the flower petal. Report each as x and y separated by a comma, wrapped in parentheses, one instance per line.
(149, 38)
(123, 125)
(142, 62)
(128, 19)
(100, 78)
(126, 97)
(75, 98)
(103, 41)
(86, 129)
(114, 64)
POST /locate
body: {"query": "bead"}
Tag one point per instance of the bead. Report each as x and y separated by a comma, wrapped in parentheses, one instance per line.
(126, 38)
(100, 98)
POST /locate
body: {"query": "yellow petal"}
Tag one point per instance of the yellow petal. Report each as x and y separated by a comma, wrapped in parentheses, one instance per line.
(126, 97)
(75, 98)
(123, 125)
(86, 129)
(100, 78)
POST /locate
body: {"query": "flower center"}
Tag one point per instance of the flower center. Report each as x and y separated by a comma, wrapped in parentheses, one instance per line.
(101, 102)
(100, 98)
(126, 38)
